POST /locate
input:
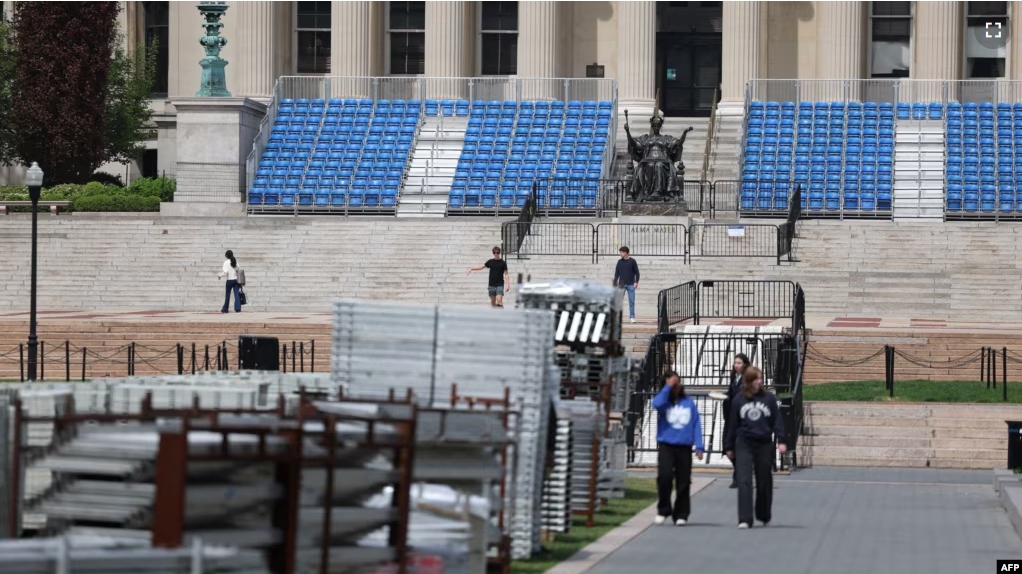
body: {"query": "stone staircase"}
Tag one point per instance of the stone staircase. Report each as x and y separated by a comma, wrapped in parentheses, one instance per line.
(432, 166)
(848, 268)
(906, 435)
(726, 148)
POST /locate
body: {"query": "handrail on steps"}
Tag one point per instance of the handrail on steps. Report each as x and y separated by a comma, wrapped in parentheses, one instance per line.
(710, 130)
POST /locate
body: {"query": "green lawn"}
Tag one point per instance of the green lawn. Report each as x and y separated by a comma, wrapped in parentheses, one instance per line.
(914, 391)
(639, 494)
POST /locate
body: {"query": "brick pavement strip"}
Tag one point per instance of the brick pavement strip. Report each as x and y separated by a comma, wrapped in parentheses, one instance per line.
(839, 521)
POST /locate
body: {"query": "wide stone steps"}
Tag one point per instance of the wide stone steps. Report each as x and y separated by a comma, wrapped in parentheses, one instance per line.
(935, 435)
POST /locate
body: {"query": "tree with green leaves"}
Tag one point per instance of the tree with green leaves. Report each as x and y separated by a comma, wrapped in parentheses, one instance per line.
(71, 97)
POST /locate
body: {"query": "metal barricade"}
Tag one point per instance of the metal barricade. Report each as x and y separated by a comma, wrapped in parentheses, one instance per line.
(642, 239)
(733, 240)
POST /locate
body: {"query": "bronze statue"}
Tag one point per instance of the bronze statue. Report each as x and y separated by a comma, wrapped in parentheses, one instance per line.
(659, 171)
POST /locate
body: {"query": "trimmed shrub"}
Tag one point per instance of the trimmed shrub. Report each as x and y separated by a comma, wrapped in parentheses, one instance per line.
(120, 202)
(161, 187)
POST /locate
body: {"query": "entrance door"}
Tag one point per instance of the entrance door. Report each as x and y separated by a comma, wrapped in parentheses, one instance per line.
(688, 72)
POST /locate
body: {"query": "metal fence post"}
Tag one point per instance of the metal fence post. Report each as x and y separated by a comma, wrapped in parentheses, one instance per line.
(1004, 373)
(85, 351)
(983, 366)
(312, 362)
(21, 362)
(180, 359)
(67, 360)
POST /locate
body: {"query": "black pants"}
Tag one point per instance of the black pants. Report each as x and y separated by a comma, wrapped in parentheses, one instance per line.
(727, 428)
(674, 464)
(752, 457)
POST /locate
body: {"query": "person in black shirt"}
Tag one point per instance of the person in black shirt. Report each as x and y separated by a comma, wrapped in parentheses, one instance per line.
(499, 281)
(626, 276)
(756, 423)
(733, 390)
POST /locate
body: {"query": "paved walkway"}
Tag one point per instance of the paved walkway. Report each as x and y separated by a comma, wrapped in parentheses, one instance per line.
(838, 521)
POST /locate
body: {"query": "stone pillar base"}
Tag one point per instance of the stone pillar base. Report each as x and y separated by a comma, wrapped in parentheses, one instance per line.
(214, 137)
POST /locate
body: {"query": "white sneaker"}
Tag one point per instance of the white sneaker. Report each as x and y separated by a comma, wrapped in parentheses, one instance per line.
(659, 520)
(680, 522)
(632, 320)
(743, 526)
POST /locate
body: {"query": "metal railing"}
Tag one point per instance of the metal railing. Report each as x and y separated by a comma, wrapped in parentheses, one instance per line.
(886, 91)
(676, 305)
(69, 362)
(729, 299)
(709, 240)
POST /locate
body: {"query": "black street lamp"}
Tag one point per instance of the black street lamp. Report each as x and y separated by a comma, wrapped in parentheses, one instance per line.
(34, 180)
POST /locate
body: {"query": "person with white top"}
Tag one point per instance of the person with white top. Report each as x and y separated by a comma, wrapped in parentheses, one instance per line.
(230, 271)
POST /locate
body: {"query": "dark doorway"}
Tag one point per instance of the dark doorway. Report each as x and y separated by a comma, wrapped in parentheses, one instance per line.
(149, 164)
(688, 56)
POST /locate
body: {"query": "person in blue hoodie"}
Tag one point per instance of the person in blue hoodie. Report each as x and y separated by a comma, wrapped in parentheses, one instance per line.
(733, 389)
(678, 432)
(756, 422)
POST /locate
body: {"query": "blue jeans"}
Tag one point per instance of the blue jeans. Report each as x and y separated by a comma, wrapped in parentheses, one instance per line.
(232, 285)
(630, 289)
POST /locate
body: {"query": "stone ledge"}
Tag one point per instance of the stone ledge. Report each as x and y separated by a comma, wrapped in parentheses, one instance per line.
(1011, 500)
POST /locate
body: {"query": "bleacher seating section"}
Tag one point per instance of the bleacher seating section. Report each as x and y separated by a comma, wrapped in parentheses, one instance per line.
(842, 155)
(984, 174)
(331, 154)
(510, 145)
(354, 152)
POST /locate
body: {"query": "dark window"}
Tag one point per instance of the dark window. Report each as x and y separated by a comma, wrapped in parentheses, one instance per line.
(892, 8)
(156, 17)
(407, 15)
(500, 54)
(891, 39)
(407, 53)
(499, 31)
(500, 16)
(985, 68)
(981, 13)
(149, 164)
(312, 43)
(407, 38)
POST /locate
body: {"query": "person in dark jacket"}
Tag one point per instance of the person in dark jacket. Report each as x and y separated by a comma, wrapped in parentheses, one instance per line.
(750, 444)
(677, 432)
(734, 387)
(626, 276)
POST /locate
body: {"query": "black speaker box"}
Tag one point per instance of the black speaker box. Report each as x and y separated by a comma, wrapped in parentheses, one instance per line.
(259, 353)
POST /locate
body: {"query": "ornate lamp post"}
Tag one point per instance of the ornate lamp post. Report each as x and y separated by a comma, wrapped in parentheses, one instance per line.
(214, 82)
(34, 180)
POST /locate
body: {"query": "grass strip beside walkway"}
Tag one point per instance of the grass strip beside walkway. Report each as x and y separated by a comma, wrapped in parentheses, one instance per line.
(913, 391)
(639, 494)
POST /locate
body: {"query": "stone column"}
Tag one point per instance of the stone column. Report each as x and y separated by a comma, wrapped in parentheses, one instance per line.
(840, 48)
(253, 49)
(449, 48)
(540, 27)
(937, 54)
(350, 46)
(1015, 46)
(741, 56)
(636, 57)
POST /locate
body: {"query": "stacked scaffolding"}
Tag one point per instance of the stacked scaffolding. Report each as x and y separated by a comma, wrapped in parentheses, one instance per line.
(595, 382)
(479, 352)
(557, 489)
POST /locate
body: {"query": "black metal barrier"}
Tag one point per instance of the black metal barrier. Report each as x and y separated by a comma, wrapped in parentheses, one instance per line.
(530, 239)
(730, 299)
(703, 362)
(132, 359)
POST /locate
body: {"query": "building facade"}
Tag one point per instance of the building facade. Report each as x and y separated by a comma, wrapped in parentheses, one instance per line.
(680, 52)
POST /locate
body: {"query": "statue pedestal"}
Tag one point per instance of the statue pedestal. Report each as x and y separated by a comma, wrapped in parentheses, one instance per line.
(655, 209)
(214, 139)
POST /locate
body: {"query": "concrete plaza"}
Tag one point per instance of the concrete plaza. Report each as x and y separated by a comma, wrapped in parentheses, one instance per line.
(839, 521)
